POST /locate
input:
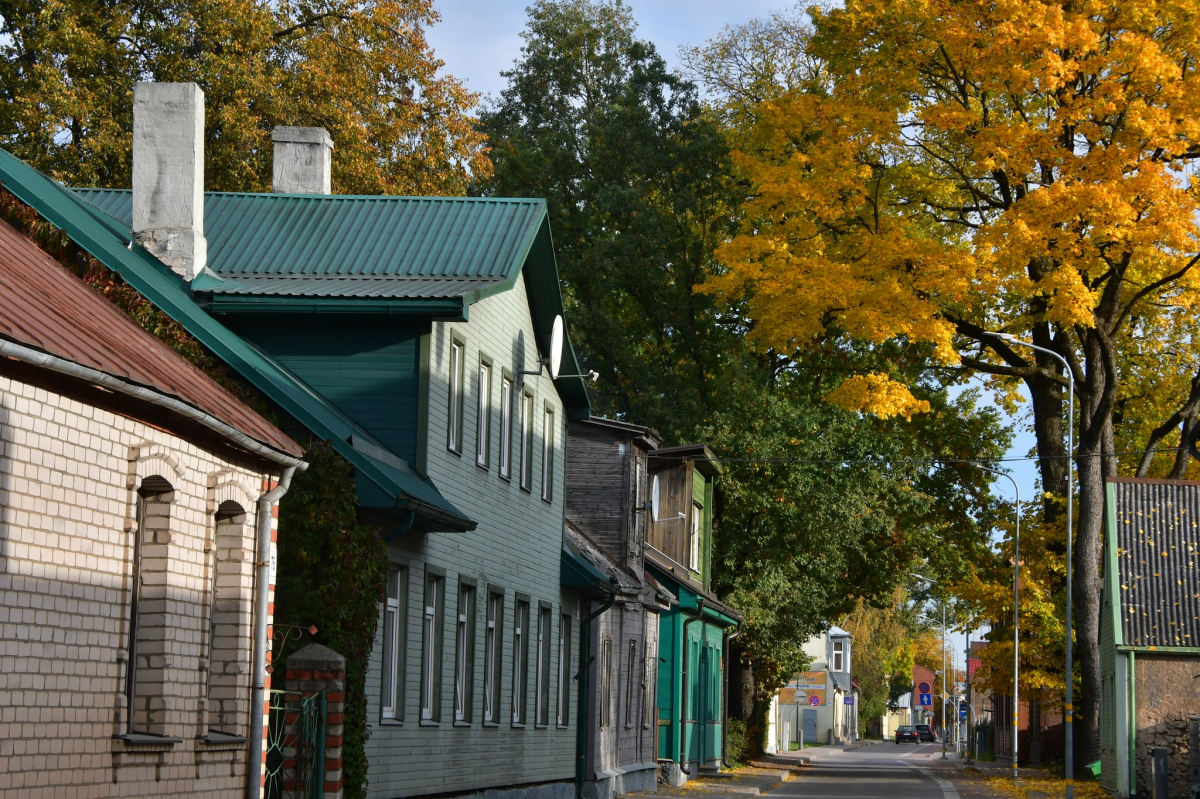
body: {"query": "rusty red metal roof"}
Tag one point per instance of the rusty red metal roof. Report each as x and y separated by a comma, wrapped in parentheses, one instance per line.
(45, 307)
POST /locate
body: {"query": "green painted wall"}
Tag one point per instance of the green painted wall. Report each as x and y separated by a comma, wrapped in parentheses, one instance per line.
(704, 688)
(366, 365)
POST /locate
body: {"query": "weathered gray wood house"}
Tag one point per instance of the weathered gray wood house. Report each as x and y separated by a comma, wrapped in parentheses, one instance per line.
(607, 495)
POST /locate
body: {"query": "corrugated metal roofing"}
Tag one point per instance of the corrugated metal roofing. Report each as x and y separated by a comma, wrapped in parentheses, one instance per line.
(263, 243)
(106, 239)
(47, 308)
(1158, 557)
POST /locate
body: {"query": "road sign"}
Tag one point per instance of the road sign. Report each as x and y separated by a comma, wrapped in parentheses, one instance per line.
(849, 700)
(926, 700)
(924, 688)
(962, 714)
(814, 700)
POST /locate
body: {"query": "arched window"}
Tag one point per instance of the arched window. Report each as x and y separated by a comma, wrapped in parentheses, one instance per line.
(145, 703)
(229, 634)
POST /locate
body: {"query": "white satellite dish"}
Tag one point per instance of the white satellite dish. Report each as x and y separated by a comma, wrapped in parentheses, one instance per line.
(556, 345)
(654, 499)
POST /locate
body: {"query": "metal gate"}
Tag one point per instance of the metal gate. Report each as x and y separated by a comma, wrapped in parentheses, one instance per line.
(296, 746)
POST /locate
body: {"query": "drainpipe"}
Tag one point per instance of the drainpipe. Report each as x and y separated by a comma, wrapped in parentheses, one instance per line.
(584, 706)
(1132, 680)
(725, 699)
(684, 700)
(262, 567)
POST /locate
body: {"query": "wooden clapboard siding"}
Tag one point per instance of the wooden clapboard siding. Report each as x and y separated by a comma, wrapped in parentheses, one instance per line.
(669, 535)
(597, 483)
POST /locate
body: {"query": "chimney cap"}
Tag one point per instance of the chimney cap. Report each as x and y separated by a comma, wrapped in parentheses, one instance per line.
(288, 133)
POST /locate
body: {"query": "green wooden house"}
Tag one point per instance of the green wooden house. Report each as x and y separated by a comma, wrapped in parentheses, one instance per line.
(414, 335)
(692, 685)
(1149, 631)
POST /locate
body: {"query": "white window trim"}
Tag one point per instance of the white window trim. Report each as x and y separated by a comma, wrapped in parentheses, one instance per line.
(564, 659)
(694, 538)
(527, 441)
(839, 655)
(520, 676)
(506, 410)
(392, 657)
(454, 417)
(491, 683)
(548, 454)
(429, 655)
(483, 438)
(462, 680)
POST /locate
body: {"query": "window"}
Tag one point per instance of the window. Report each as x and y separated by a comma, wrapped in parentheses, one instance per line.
(229, 635)
(395, 616)
(454, 413)
(605, 682)
(431, 653)
(542, 717)
(526, 441)
(520, 661)
(649, 684)
(464, 662)
(629, 684)
(694, 538)
(564, 670)
(838, 654)
(491, 658)
(548, 455)
(147, 622)
(506, 409)
(484, 427)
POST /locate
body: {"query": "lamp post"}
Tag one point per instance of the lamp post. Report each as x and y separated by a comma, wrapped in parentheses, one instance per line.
(935, 582)
(1068, 708)
(1016, 605)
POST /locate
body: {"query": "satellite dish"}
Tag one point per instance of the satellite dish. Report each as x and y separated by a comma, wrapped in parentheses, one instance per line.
(556, 345)
(654, 499)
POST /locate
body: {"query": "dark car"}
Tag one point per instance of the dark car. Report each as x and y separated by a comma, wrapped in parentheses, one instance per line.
(907, 735)
(926, 733)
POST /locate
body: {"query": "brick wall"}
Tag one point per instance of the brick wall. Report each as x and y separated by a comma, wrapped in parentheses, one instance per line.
(74, 483)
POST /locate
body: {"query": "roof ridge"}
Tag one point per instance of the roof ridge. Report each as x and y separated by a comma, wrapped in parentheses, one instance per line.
(330, 197)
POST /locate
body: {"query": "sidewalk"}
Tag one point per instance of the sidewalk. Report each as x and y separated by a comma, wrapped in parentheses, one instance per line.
(996, 778)
(747, 781)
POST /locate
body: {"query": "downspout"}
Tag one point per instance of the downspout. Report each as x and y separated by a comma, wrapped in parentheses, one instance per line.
(683, 703)
(583, 724)
(1132, 679)
(725, 699)
(262, 568)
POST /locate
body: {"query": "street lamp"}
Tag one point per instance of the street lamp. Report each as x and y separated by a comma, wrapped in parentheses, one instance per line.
(1068, 731)
(1016, 605)
(935, 582)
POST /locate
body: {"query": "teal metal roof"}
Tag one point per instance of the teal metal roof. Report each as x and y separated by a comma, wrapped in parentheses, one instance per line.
(107, 239)
(429, 256)
(303, 245)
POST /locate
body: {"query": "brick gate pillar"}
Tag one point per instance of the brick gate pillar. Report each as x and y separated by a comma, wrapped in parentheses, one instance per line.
(308, 671)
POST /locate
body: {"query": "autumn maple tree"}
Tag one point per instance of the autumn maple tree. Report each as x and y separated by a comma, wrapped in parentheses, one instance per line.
(1020, 166)
(362, 70)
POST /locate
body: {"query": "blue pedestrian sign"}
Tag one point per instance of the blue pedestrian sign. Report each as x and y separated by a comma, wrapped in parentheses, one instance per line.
(849, 700)
(926, 700)
(962, 714)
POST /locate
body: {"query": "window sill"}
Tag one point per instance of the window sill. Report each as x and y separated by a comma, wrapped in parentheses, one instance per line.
(491, 725)
(517, 726)
(463, 724)
(430, 723)
(541, 726)
(563, 727)
(215, 737)
(391, 723)
(147, 738)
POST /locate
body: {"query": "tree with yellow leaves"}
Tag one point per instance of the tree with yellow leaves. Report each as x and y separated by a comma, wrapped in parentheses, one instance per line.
(363, 70)
(1020, 165)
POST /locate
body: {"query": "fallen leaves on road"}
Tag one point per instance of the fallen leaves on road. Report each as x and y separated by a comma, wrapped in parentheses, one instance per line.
(1037, 784)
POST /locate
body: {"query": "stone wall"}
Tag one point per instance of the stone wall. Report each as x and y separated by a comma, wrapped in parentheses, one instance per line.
(1167, 694)
(74, 482)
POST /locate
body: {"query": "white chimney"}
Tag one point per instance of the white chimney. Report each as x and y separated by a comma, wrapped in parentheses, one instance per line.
(168, 174)
(302, 161)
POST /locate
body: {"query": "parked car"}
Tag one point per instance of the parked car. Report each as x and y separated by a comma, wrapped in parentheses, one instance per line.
(926, 733)
(907, 734)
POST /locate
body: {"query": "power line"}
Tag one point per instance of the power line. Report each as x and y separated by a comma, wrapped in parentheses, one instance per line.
(907, 461)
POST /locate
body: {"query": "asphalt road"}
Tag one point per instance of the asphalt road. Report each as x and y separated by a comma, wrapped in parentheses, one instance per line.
(885, 771)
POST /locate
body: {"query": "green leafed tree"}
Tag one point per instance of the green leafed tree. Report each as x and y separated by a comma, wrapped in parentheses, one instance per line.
(363, 70)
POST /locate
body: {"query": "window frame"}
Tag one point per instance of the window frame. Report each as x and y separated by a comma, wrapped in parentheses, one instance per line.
(455, 393)
(526, 464)
(507, 391)
(493, 654)
(606, 682)
(839, 656)
(395, 638)
(563, 708)
(545, 631)
(464, 656)
(695, 534)
(483, 431)
(520, 671)
(649, 682)
(549, 439)
(433, 616)
(632, 667)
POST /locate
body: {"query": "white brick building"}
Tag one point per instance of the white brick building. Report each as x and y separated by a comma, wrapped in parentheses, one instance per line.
(130, 490)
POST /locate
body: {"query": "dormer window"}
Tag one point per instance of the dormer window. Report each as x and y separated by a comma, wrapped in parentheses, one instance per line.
(694, 537)
(839, 656)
